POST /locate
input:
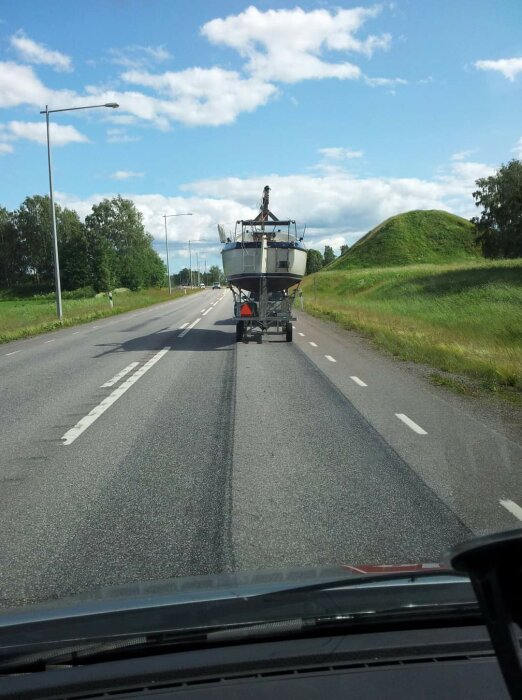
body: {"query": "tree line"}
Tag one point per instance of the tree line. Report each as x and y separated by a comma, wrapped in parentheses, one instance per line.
(110, 249)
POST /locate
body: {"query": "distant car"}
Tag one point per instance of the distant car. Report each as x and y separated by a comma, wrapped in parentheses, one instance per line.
(216, 285)
(202, 286)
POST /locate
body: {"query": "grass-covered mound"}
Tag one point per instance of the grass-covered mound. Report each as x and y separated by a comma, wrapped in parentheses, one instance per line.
(430, 236)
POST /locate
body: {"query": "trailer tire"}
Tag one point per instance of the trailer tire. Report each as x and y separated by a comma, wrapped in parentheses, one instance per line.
(240, 328)
(289, 332)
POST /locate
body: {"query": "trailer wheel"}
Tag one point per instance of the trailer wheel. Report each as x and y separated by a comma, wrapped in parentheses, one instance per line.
(289, 330)
(240, 327)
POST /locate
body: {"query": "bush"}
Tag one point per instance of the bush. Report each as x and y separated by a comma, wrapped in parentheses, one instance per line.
(80, 293)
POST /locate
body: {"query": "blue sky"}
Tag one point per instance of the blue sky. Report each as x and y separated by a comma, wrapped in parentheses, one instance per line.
(350, 112)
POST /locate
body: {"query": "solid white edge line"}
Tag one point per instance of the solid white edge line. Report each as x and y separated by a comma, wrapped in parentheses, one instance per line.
(314, 345)
(184, 333)
(183, 326)
(120, 375)
(513, 507)
(329, 357)
(71, 435)
(358, 381)
(411, 424)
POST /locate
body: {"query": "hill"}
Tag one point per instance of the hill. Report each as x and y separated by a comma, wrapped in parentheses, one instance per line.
(430, 236)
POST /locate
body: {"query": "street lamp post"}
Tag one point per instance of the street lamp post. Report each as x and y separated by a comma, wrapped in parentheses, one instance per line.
(57, 285)
(165, 217)
(190, 265)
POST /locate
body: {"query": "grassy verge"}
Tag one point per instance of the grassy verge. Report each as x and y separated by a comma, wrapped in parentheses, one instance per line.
(463, 318)
(21, 318)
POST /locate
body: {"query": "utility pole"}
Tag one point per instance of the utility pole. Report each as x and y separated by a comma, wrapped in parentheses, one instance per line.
(197, 269)
(190, 265)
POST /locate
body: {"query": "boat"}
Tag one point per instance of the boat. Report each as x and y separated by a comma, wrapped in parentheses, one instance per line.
(265, 248)
(264, 262)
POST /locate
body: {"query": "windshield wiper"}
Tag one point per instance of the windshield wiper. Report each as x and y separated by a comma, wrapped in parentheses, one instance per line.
(410, 577)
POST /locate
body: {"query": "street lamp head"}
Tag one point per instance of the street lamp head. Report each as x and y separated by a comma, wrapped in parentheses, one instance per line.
(111, 104)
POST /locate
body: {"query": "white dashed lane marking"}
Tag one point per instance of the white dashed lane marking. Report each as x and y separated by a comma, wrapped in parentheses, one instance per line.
(302, 335)
(71, 435)
(411, 424)
(329, 357)
(12, 353)
(50, 341)
(184, 333)
(513, 507)
(314, 345)
(358, 381)
(120, 375)
(183, 326)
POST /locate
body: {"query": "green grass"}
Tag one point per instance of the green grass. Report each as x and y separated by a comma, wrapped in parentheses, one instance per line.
(414, 237)
(20, 318)
(464, 318)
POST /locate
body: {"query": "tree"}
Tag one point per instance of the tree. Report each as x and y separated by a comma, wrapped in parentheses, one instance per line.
(75, 270)
(121, 250)
(329, 255)
(33, 224)
(500, 224)
(314, 261)
(344, 249)
(12, 259)
(214, 274)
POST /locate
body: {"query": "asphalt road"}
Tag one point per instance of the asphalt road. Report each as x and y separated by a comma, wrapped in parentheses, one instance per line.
(151, 445)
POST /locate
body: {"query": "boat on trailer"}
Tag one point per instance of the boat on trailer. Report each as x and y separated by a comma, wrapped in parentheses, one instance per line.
(264, 261)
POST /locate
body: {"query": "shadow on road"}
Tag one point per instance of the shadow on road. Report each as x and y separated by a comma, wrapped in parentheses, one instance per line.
(207, 340)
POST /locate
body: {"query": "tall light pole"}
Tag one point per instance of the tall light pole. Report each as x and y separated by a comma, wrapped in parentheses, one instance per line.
(190, 265)
(57, 285)
(165, 217)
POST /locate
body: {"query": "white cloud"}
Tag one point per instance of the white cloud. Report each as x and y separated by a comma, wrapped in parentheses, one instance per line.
(137, 56)
(340, 153)
(6, 148)
(509, 67)
(288, 45)
(384, 82)
(517, 149)
(462, 155)
(125, 175)
(61, 134)
(117, 135)
(19, 85)
(32, 52)
(199, 96)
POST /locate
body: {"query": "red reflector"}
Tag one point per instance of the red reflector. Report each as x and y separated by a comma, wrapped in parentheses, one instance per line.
(245, 310)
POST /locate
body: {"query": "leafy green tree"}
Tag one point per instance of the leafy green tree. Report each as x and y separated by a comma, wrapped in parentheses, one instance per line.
(75, 269)
(121, 250)
(12, 258)
(33, 224)
(500, 224)
(214, 274)
(329, 255)
(344, 249)
(314, 261)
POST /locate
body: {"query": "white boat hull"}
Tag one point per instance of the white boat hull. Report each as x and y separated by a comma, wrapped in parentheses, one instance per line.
(282, 265)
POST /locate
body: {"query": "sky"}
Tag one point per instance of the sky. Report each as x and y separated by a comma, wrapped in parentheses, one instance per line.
(350, 112)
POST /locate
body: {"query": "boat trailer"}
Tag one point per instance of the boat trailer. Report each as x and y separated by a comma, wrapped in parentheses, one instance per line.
(263, 313)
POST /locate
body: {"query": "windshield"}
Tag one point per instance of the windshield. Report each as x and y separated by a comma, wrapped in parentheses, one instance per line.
(260, 292)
